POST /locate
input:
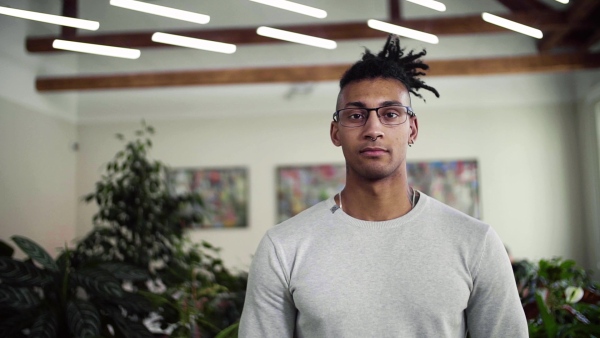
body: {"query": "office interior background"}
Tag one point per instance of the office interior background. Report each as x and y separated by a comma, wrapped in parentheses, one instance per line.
(533, 133)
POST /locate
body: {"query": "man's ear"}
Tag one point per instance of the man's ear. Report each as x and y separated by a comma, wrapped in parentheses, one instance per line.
(334, 134)
(414, 128)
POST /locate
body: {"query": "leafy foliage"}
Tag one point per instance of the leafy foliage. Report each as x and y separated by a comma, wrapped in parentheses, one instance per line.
(548, 292)
(138, 219)
(140, 223)
(59, 299)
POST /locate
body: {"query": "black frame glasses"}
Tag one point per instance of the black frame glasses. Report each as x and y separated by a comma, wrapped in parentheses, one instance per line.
(367, 112)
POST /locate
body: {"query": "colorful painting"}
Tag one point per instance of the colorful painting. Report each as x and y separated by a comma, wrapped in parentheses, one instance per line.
(224, 192)
(300, 187)
(454, 183)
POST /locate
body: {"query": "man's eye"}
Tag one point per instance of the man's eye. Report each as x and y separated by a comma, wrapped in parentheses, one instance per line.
(391, 115)
(356, 116)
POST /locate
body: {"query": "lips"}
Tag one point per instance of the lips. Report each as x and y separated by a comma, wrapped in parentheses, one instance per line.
(373, 151)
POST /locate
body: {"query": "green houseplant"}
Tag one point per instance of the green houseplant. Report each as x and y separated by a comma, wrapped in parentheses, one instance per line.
(559, 298)
(43, 297)
(140, 222)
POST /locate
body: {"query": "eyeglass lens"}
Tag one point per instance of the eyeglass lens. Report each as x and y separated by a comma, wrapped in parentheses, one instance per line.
(357, 117)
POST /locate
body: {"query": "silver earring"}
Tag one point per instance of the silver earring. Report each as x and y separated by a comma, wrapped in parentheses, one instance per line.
(410, 143)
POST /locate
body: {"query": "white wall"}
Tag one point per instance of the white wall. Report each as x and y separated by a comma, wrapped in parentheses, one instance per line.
(37, 176)
(526, 152)
(37, 164)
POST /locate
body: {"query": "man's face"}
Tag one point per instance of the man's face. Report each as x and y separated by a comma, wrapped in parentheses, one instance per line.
(374, 151)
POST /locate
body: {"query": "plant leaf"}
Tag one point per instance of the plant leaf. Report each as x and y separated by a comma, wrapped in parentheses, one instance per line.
(5, 249)
(131, 328)
(126, 271)
(35, 252)
(549, 322)
(98, 281)
(229, 332)
(18, 298)
(12, 326)
(19, 273)
(44, 326)
(83, 319)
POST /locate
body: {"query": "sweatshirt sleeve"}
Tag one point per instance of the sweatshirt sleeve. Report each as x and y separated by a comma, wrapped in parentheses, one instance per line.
(494, 308)
(269, 309)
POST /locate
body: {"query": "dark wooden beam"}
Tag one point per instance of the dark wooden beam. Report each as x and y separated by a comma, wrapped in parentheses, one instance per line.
(579, 12)
(69, 9)
(395, 10)
(525, 5)
(473, 24)
(463, 67)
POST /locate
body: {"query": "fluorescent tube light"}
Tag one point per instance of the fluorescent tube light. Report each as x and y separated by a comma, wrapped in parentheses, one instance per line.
(403, 31)
(49, 18)
(161, 10)
(436, 5)
(294, 7)
(515, 26)
(89, 48)
(295, 37)
(184, 41)
(563, 1)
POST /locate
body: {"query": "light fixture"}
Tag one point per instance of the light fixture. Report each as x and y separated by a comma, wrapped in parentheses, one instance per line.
(295, 37)
(515, 26)
(436, 5)
(184, 41)
(294, 7)
(161, 10)
(89, 48)
(403, 31)
(49, 18)
(563, 1)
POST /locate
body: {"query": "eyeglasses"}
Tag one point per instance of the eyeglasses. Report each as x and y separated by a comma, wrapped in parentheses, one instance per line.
(391, 115)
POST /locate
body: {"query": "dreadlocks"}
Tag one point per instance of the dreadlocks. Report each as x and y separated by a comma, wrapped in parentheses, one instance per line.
(391, 63)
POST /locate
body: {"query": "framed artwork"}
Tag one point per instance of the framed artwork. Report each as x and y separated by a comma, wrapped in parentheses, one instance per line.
(223, 190)
(454, 183)
(300, 187)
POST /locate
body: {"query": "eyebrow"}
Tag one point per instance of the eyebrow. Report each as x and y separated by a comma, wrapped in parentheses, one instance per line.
(360, 104)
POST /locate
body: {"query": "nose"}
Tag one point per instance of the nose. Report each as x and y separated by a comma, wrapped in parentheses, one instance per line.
(373, 128)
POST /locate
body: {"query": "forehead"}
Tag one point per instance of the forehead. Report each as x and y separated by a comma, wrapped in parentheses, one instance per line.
(374, 91)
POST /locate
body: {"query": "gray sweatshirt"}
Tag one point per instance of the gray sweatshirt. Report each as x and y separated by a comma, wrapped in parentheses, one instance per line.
(434, 272)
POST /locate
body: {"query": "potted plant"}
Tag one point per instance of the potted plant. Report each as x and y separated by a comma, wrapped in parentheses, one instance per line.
(559, 298)
(43, 297)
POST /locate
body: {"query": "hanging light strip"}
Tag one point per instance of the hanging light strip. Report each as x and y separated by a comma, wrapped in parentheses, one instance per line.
(435, 5)
(162, 11)
(89, 48)
(294, 7)
(49, 18)
(403, 31)
(295, 37)
(514, 26)
(184, 41)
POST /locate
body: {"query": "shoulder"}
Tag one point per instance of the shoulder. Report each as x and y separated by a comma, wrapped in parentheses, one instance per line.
(449, 218)
(304, 223)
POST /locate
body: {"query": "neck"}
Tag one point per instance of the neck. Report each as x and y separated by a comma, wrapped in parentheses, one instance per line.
(380, 201)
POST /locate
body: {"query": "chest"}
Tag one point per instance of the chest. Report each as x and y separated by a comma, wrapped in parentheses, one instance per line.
(384, 280)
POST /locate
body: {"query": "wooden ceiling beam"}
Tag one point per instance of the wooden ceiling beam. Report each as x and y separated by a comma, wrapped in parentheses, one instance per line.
(395, 10)
(473, 24)
(578, 13)
(69, 9)
(463, 67)
(525, 5)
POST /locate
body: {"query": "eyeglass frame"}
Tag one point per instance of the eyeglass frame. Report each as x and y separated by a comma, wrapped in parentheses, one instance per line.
(409, 111)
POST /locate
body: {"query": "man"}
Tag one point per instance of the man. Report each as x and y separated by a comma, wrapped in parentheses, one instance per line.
(380, 259)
